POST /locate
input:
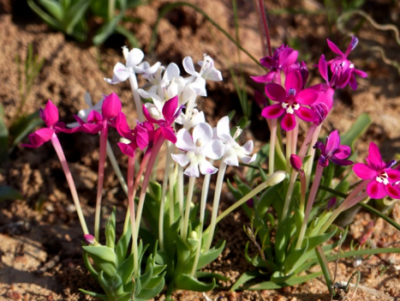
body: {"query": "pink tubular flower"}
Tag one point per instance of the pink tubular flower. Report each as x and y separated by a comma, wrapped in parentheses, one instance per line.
(170, 112)
(283, 58)
(343, 71)
(292, 101)
(333, 151)
(50, 118)
(381, 175)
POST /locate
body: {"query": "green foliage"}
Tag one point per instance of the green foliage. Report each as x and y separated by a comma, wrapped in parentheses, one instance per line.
(113, 268)
(72, 17)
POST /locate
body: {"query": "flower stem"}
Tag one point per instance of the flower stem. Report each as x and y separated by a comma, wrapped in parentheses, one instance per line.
(100, 180)
(310, 202)
(306, 142)
(217, 196)
(273, 128)
(117, 170)
(311, 153)
(179, 194)
(203, 200)
(131, 202)
(265, 23)
(152, 159)
(289, 194)
(70, 181)
(184, 233)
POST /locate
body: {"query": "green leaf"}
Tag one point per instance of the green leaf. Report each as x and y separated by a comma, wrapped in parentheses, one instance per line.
(9, 193)
(323, 263)
(133, 41)
(75, 14)
(54, 8)
(123, 244)
(206, 275)
(153, 288)
(146, 277)
(125, 270)
(110, 230)
(269, 285)
(155, 190)
(103, 257)
(3, 136)
(357, 129)
(23, 126)
(44, 16)
(93, 294)
(292, 258)
(211, 255)
(245, 277)
(190, 283)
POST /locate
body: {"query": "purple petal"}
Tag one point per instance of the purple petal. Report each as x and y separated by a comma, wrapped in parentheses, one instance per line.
(111, 106)
(148, 116)
(293, 81)
(169, 109)
(332, 142)
(360, 73)
(94, 117)
(344, 78)
(393, 191)
(266, 78)
(353, 82)
(296, 162)
(272, 111)
(306, 114)
(374, 157)
(288, 60)
(341, 162)
(323, 68)
(127, 149)
(260, 99)
(288, 122)
(376, 190)
(307, 96)
(168, 134)
(275, 92)
(393, 175)
(334, 48)
(91, 128)
(352, 45)
(50, 114)
(122, 125)
(364, 172)
(39, 137)
(343, 152)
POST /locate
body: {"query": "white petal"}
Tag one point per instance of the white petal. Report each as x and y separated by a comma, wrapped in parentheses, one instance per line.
(247, 159)
(121, 72)
(88, 99)
(181, 159)
(83, 114)
(171, 72)
(189, 66)
(181, 119)
(135, 56)
(231, 160)
(248, 147)
(223, 130)
(73, 125)
(203, 133)
(213, 75)
(199, 86)
(184, 140)
(113, 81)
(192, 170)
(197, 117)
(214, 150)
(207, 168)
(186, 94)
(146, 68)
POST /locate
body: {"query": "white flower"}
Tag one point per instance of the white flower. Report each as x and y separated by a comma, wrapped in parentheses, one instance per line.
(198, 79)
(198, 148)
(233, 150)
(83, 114)
(122, 72)
(189, 122)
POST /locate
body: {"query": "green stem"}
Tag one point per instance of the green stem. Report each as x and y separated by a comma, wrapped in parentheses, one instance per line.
(131, 202)
(184, 232)
(271, 160)
(116, 168)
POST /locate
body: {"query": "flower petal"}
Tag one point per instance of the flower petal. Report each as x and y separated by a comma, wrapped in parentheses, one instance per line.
(127, 149)
(363, 171)
(169, 109)
(39, 137)
(352, 45)
(171, 72)
(307, 96)
(323, 68)
(393, 175)
(223, 131)
(192, 170)
(121, 73)
(231, 160)
(207, 168)
(111, 106)
(272, 111)
(181, 159)
(332, 142)
(343, 152)
(306, 114)
(202, 133)
(135, 57)
(50, 114)
(168, 134)
(288, 122)
(184, 141)
(189, 66)
(248, 159)
(393, 191)
(374, 157)
(376, 190)
(360, 73)
(248, 147)
(275, 92)
(294, 81)
(334, 48)
(214, 149)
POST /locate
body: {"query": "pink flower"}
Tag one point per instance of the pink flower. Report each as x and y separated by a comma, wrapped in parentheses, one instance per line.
(333, 151)
(381, 176)
(50, 118)
(292, 101)
(343, 71)
(283, 58)
(170, 112)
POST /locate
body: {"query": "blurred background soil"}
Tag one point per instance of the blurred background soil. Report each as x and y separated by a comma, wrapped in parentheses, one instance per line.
(40, 237)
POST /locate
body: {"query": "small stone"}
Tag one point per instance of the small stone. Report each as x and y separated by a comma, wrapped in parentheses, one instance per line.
(14, 295)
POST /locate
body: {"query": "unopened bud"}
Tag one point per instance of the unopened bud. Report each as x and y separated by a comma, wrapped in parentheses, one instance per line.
(276, 178)
(193, 235)
(237, 133)
(89, 239)
(331, 203)
(296, 162)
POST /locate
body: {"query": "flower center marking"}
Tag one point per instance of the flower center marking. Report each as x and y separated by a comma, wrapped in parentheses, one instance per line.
(290, 108)
(383, 178)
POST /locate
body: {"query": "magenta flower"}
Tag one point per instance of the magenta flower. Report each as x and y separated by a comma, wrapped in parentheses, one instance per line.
(283, 58)
(50, 118)
(292, 101)
(333, 151)
(170, 112)
(381, 176)
(343, 71)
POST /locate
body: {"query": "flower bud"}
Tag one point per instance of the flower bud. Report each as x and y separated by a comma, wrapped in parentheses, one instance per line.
(276, 178)
(111, 106)
(89, 239)
(331, 203)
(296, 162)
(193, 235)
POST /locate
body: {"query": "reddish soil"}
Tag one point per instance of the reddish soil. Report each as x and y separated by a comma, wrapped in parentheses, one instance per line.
(40, 237)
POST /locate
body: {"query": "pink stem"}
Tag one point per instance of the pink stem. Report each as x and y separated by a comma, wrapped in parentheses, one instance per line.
(154, 153)
(100, 180)
(307, 140)
(265, 23)
(313, 191)
(131, 198)
(70, 181)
